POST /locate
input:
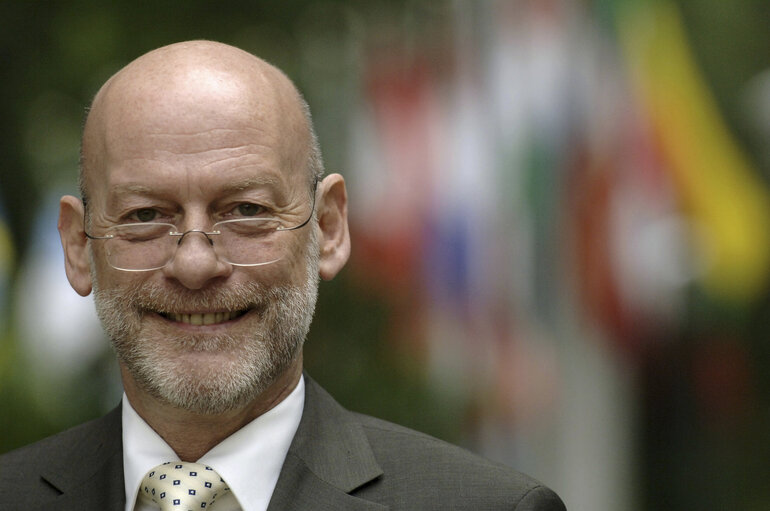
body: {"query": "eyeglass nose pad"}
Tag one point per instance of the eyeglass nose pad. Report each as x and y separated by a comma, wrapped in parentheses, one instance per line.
(176, 253)
(193, 265)
(181, 237)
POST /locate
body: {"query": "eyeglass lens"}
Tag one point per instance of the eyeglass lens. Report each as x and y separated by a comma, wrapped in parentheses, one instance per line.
(247, 242)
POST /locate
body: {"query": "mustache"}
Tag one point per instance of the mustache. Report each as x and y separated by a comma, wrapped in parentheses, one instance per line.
(155, 297)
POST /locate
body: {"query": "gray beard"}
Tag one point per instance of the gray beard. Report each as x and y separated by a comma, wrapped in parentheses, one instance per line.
(260, 356)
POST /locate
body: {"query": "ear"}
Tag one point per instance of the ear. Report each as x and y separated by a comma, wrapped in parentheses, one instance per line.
(73, 241)
(334, 238)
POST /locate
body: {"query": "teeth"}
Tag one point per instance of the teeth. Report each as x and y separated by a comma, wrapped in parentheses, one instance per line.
(209, 318)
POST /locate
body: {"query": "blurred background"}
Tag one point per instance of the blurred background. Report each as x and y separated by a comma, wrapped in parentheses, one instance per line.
(560, 216)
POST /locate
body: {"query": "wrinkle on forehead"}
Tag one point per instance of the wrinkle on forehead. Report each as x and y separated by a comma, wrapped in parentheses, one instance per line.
(195, 89)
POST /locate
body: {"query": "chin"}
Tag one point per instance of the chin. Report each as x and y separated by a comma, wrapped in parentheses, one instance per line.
(210, 374)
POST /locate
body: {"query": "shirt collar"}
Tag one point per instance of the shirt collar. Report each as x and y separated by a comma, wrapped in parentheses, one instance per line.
(250, 459)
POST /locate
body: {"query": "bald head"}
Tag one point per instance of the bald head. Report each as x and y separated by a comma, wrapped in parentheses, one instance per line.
(190, 89)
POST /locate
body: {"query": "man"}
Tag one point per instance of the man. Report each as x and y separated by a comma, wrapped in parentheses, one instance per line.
(204, 226)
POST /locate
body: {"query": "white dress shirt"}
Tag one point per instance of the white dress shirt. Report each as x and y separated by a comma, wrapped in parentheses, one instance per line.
(249, 460)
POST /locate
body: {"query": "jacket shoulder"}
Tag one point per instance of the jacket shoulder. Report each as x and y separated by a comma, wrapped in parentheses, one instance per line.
(423, 472)
(23, 469)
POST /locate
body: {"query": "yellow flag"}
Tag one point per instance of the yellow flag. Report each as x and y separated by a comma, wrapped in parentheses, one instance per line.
(719, 189)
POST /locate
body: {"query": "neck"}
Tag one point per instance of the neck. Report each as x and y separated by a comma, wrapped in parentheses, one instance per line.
(191, 435)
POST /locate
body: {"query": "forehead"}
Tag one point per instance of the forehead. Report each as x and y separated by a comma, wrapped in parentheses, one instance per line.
(199, 126)
(201, 163)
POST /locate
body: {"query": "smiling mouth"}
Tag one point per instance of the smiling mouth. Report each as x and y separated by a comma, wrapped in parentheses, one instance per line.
(208, 318)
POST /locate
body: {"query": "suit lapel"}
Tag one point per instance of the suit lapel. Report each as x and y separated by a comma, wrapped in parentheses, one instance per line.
(89, 472)
(329, 457)
(299, 489)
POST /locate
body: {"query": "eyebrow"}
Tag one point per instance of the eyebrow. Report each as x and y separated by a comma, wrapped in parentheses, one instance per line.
(250, 183)
(118, 192)
(132, 189)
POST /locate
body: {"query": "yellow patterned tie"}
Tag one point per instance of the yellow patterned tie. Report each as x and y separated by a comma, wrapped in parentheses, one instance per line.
(182, 486)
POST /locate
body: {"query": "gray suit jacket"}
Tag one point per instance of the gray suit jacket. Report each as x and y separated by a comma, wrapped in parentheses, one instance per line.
(338, 460)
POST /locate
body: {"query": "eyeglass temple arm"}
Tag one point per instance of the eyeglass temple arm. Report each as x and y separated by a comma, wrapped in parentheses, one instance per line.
(85, 216)
(312, 209)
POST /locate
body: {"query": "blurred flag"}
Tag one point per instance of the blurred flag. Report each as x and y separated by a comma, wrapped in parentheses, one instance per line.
(6, 266)
(720, 192)
(6, 262)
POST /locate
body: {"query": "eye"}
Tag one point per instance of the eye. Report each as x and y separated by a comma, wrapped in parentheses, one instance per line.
(249, 209)
(145, 214)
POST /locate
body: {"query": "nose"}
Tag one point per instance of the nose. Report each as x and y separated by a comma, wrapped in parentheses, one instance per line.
(195, 262)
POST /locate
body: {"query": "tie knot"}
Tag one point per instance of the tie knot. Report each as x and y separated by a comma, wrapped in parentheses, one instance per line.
(182, 486)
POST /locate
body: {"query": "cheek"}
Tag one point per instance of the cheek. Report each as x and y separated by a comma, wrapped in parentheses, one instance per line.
(275, 274)
(102, 274)
(105, 276)
(291, 269)
(297, 260)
